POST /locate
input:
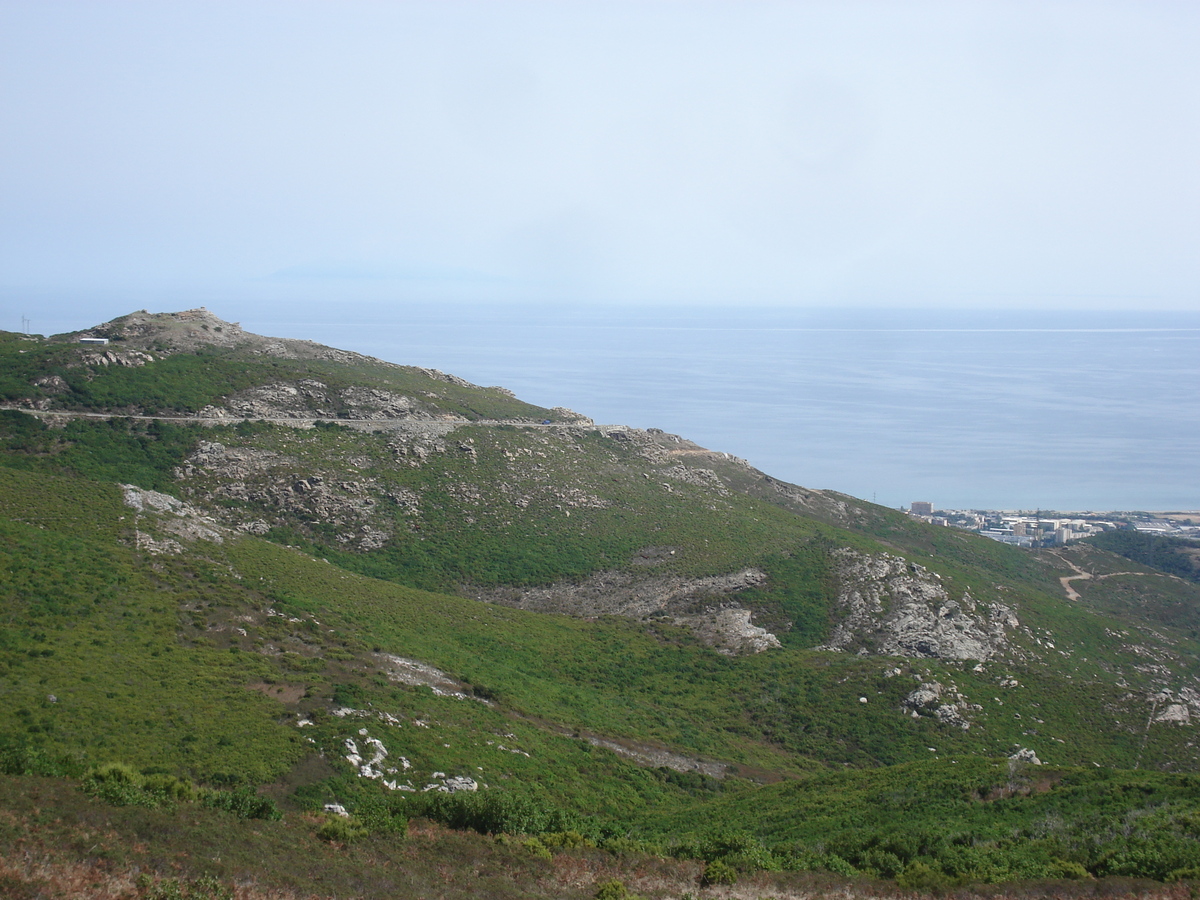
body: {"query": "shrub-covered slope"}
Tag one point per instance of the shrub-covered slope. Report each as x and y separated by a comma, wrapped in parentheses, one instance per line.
(249, 561)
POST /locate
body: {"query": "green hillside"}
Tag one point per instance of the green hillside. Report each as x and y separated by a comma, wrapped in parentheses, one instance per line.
(235, 564)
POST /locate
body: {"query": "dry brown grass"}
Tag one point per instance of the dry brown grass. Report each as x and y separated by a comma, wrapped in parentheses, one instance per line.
(284, 693)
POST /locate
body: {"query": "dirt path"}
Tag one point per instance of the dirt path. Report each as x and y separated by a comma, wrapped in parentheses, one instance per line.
(1081, 575)
(1066, 580)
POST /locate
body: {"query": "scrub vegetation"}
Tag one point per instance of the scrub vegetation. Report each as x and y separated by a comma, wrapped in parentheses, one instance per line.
(280, 669)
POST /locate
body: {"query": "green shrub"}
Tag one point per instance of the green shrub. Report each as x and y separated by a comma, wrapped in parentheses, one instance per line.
(116, 773)
(381, 815)
(920, 876)
(120, 785)
(614, 890)
(172, 787)
(718, 872)
(341, 830)
(21, 760)
(243, 802)
(1065, 868)
(536, 848)
(493, 812)
(831, 862)
(622, 844)
(565, 840)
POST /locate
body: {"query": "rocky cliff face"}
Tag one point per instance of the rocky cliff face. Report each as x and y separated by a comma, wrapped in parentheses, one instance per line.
(892, 607)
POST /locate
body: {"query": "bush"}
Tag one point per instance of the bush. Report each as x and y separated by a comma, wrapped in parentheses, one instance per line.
(116, 773)
(831, 862)
(536, 848)
(243, 802)
(718, 872)
(737, 850)
(1065, 868)
(381, 815)
(622, 844)
(919, 876)
(20, 760)
(493, 812)
(614, 890)
(172, 787)
(120, 785)
(565, 840)
(340, 830)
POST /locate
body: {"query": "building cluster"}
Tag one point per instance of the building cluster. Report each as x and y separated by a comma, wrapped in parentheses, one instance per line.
(1045, 529)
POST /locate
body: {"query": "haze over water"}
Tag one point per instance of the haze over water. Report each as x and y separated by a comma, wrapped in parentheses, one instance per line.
(1015, 410)
(426, 172)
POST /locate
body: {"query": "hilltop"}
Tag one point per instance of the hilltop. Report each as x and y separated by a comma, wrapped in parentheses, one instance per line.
(381, 590)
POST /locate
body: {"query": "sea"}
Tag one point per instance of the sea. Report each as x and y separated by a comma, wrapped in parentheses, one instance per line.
(994, 409)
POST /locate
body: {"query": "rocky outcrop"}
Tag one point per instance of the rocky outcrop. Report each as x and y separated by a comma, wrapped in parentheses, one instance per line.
(729, 630)
(51, 384)
(706, 605)
(193, 329)
(187, 330)
(162, 518)
(439, 375)
(946, 705)
(415, 448)
(1026, 755)
(230, 478)
(1180, 707)
(312, 399)
(562, 413)
(705, 478)
(419, 674)
(891, 607)
(644, 754)
(130, 359)
(1178, 713)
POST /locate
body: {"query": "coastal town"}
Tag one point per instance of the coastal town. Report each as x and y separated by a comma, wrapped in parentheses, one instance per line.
(1044, 528)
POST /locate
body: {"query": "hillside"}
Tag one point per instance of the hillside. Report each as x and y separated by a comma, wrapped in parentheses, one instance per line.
(245, 561)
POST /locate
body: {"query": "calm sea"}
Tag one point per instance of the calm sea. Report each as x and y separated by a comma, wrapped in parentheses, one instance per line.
(1016, 410)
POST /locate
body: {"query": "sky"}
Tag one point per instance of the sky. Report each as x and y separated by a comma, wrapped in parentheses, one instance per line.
(364, 154)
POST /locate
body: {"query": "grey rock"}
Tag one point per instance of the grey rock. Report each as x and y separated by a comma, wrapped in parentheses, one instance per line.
(706, 605)
(1176, 713)
(924, 695)
(52, 384)
(951, 715)
(890, 607)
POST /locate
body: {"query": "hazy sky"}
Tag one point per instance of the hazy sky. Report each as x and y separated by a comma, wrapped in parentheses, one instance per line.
(167, 154)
